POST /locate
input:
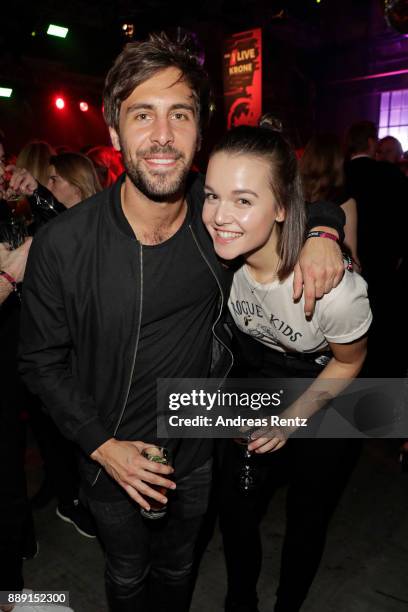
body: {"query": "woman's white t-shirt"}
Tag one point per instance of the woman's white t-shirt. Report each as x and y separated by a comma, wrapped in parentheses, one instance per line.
(268, 313)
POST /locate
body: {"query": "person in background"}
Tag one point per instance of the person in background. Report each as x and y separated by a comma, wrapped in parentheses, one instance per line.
(57, 452)
(403, 165)
(108, 164)
(380, 190)
(35, 158)
(15, 514)
(72, 178)
(322, 172)
(389, 149)
(12, 264)
(2, 150)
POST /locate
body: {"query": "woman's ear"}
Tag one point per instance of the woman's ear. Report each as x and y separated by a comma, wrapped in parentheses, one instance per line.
(280, 214)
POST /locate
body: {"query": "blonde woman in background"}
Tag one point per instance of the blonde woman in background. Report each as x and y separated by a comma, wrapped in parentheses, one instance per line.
(72, 178)
(35, 158)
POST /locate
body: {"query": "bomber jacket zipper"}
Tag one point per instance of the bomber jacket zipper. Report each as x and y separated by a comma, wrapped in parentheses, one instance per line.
(139, 324)
(222, 302)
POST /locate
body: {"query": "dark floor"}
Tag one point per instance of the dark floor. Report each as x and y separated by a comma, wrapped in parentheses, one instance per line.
(365, 567)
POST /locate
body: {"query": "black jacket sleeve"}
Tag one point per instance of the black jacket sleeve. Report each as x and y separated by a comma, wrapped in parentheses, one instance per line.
(326, 214)
(44, 207)
(46, 350)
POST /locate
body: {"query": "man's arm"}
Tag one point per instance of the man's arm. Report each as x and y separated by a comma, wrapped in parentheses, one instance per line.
(320, 267)
(45, 348)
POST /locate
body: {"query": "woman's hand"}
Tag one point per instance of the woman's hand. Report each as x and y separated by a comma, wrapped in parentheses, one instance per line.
(268, 440)
(21, 182)
(14, 262)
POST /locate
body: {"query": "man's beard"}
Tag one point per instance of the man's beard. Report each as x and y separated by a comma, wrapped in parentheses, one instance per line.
(157, 186)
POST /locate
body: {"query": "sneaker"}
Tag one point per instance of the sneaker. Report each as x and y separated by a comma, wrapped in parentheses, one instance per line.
(79, 517)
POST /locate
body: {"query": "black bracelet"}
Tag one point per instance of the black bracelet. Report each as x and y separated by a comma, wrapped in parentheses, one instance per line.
(321, 234)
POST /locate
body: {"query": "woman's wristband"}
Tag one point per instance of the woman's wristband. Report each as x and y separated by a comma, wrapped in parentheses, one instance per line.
(10, 279)
(321, 234)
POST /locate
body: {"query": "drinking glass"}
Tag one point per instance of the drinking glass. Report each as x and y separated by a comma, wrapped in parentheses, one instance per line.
(158, 454)
(246, 469)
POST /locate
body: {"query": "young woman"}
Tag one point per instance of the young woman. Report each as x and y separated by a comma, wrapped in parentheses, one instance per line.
(254, 212)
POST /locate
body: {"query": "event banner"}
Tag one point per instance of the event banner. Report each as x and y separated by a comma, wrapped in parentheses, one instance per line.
(243, 78)
(295, 407)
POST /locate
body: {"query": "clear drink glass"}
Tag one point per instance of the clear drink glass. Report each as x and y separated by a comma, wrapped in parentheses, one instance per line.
(158, 454)
(246, 470)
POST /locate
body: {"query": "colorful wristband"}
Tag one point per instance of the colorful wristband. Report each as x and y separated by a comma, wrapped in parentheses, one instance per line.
(320, 234)
(10, 279)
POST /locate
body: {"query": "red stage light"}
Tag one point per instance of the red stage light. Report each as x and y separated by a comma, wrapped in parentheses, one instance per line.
(83, 106)
(60, 103)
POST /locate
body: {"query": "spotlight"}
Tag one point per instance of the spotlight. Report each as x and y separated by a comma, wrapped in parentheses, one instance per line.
(5, 92)
(55, 30)
(83, 106)
(128, 30)
(60, 103)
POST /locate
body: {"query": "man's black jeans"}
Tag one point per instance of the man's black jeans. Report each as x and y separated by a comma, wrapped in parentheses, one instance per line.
(149, 563)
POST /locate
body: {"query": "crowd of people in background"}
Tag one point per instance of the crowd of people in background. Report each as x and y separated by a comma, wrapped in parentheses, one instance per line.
(59, 181)
(366, 177)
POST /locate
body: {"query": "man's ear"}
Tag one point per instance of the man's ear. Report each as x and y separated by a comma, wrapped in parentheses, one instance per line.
(114, 138)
